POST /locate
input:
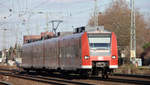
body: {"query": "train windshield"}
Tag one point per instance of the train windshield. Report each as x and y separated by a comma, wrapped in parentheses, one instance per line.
(99, 42)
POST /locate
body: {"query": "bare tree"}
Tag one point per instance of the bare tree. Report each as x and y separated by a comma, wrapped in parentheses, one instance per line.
(116, 18)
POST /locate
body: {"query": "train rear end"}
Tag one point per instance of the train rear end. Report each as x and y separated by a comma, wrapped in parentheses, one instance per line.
(99, 53)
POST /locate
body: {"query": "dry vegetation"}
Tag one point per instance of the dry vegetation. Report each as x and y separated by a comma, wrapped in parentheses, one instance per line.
(116, 18)
(131, 69)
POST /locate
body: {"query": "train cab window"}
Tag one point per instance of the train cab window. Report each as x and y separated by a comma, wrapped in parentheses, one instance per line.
(100, 46)
(99, 42)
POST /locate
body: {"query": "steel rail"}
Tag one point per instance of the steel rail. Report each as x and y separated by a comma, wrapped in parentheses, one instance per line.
(53, 81)
(4, 83)
(132, 75)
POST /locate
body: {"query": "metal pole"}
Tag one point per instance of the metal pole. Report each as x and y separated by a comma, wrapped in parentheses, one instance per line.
(4, 37)
(4, 48)
(96, 14)
(47, 17)
(133, 34)
(134, 24)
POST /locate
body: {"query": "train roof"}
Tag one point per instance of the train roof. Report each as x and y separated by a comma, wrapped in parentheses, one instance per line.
(78, 35)
(67, 35)
(96, 29)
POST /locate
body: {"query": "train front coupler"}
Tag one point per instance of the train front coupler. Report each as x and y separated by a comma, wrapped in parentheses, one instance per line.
(100, 68)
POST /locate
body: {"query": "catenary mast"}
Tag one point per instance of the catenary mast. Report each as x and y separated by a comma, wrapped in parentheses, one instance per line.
(133, 34)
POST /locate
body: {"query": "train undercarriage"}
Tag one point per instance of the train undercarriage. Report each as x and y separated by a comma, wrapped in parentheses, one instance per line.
(99, 69)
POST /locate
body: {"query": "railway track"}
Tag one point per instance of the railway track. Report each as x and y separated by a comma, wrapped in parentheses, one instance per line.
(58, 79)
(49, 80)
(133, 75)
(4, 83)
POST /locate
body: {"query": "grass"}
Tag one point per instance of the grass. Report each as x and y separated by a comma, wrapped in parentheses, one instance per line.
(132, 69)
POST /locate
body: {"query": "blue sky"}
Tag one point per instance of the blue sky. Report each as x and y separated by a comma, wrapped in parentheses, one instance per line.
(24, 15)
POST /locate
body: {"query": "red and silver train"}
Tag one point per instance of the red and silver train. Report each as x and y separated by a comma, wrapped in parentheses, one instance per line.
(88, 53)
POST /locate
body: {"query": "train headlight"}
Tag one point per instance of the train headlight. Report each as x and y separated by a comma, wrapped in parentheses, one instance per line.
(113, 57)
(86, 57)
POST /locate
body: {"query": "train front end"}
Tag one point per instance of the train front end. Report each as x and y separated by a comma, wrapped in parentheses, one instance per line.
(99, 53)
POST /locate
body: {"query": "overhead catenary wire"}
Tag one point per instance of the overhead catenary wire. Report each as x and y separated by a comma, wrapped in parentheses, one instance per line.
(2, 4)
(26, 11)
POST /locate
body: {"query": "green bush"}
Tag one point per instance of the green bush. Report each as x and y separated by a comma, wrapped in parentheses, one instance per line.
(146, 45)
